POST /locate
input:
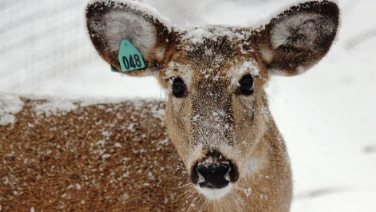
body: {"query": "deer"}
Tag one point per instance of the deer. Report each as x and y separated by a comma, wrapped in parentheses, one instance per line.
(213, 145)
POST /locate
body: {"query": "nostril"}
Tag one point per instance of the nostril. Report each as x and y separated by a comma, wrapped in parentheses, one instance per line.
(216, 169)
(214, 175)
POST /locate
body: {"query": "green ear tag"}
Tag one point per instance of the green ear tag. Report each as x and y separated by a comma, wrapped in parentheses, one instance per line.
(113, 69)
(129, 57)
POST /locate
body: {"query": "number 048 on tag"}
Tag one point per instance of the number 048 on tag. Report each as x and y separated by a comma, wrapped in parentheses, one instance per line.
(130, 57)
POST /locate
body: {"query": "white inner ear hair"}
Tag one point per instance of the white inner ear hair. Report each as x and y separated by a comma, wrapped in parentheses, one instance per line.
(135, 28)
(299, 30)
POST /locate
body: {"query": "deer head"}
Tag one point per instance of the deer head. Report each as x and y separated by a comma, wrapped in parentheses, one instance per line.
(217, 112)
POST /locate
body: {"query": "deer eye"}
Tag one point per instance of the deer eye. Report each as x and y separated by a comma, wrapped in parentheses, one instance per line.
(245, 85)
(178, 88)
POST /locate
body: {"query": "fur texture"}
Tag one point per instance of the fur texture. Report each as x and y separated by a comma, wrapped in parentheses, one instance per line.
(299, 37)
(120, 25)
(121, 157)
(213, 116)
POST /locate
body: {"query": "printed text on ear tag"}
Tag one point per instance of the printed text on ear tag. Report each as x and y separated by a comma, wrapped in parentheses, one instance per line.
(129, 57)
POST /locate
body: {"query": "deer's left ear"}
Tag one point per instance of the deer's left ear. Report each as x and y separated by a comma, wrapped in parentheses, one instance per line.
(111, 21)
(299, 37)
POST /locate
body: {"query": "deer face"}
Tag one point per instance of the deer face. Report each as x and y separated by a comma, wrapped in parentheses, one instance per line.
(216, 111)
(217, 114)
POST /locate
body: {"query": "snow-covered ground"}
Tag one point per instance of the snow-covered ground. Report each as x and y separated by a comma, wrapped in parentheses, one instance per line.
(327, 115)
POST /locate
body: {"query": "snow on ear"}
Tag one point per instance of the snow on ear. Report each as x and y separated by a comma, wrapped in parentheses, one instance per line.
(299, 37)
(109, 22)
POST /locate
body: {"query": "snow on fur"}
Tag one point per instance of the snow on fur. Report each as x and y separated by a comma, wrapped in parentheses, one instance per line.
(264, 21)
(300, 24)
(198, 35)
(135, 5)
(9, 106)
(118, 24)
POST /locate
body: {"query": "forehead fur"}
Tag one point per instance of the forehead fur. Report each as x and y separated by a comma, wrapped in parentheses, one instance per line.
(211, 51)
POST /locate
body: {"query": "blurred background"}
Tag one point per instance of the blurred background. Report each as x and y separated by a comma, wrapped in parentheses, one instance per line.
(326, 115)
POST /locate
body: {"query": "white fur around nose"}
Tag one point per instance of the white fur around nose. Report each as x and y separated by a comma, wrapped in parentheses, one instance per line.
(214, 194)
(299, 24)
(135, 28)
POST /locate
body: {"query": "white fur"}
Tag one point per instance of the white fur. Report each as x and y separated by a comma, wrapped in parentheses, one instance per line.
(278, 72)
(302, 69)
(135, 5)
(209, 52)
(214, 194)
(182, 71)
(267, 55)
(250, 167)
(248, 67)
(282, 30)
(135, 28)
(160, 53)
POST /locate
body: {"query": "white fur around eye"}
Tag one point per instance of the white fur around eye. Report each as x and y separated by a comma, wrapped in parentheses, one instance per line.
(135, 28)
(181, 71)
(247, 67)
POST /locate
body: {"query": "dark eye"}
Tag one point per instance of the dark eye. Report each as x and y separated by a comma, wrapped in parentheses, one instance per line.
(178, 88)
(246, 85)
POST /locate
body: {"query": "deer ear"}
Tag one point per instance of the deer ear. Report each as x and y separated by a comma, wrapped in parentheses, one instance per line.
(109, 22)
(299, 37)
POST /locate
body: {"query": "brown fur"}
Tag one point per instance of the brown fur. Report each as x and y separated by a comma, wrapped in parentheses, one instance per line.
(147, 173)
(54, 162)
(271, 187)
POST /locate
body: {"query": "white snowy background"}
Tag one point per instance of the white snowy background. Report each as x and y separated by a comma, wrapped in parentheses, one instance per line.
(327, 115)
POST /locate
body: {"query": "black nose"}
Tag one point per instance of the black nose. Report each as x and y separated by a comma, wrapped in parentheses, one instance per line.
(214, 175)
(214, 171)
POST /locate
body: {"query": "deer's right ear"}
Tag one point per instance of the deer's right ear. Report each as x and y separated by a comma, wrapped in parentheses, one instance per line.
(109, 22)
(299, 37)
